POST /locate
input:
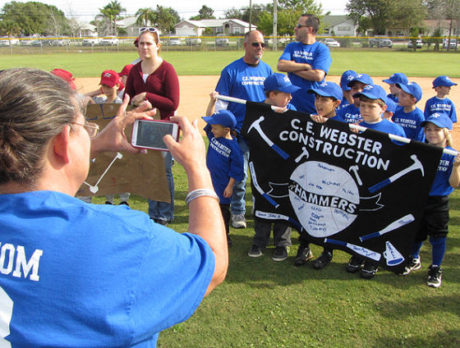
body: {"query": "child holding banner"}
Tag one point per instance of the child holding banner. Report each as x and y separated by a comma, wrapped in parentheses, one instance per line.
(435, 217)
(328, 96)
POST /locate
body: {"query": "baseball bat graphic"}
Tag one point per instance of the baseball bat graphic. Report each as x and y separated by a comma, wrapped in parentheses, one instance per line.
(356, 248)
(258, 188)
(407, 219)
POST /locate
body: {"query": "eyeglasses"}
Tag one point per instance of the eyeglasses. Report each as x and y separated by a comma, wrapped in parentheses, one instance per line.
(298, 26)
(151, 29)
(257, 44)
(91, 127)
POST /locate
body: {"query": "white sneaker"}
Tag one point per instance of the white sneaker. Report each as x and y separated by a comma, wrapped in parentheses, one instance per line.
(238, 221)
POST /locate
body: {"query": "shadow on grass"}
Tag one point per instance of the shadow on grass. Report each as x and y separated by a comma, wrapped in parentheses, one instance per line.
(448, 338)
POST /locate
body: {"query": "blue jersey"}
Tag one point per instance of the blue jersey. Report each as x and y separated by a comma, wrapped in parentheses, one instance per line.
(343, 103)
(385, 126)
(244, 81)
(410, 122)
(319, 57)
(224, 160)
(86, 275)
(441, 186)
(444, 105)
(349, 114)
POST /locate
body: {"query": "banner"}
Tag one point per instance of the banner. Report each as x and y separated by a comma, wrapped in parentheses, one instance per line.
(113, 173)
(357, 191)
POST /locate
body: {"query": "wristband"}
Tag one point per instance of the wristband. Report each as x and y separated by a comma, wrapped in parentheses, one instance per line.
(199, 193)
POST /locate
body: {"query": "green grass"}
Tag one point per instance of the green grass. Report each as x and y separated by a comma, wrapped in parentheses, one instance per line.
(373, 62)
(274, 304)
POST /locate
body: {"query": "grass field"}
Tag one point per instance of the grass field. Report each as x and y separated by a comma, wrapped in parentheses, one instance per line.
(373, 62)
(274, 304)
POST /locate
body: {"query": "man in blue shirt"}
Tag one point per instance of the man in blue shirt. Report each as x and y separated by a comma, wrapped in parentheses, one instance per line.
(244, 79)
(306, 61)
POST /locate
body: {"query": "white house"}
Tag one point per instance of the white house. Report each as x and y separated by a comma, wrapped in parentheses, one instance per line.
(216, 26)
(338, 26)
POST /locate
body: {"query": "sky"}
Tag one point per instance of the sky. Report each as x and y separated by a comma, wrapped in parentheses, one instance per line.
(86, 10)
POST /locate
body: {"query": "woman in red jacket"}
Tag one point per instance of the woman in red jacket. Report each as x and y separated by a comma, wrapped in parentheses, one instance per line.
(155, 80)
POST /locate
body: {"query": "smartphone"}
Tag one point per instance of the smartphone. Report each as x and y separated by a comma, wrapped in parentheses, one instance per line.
(148, 134)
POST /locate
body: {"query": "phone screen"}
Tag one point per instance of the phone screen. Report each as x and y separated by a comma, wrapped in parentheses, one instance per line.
(150, 134)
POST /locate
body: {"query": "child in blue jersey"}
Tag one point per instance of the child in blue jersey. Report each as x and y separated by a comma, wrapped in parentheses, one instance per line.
(346, 77)
(408, 115)
(391, 108)
(327, 99)
(278, 91)
(435, 217)
(440, 103)
(224, 159)
(393, 82)
(350, 113)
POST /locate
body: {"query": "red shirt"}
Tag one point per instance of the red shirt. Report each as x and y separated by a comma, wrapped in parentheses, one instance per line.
(162, 87)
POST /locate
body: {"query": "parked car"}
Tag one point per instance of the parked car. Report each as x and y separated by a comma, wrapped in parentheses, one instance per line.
(193, 41)
(452, 44)
(37, 43)
(60, 42)
(174, 42)
(330, 42)
(222, 41)
(90, 42)
(418, 43)
(109, 41)
(379, 42)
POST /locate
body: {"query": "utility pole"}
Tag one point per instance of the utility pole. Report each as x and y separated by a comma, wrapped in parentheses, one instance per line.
(250, 15)
(275, 25)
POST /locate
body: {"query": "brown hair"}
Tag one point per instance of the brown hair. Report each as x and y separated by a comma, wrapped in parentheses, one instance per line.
(155, 38)
(369, 100)
(312, 21)
(34, 107)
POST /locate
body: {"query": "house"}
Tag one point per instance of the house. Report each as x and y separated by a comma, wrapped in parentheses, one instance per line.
(212, 26)
(129, 25)
(444, 24)
(338, 26)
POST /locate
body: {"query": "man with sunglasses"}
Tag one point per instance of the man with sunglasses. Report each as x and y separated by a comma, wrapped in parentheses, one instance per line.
(306, 61)
(244, 79)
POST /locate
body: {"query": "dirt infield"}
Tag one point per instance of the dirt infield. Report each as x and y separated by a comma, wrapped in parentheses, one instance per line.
(195, 94)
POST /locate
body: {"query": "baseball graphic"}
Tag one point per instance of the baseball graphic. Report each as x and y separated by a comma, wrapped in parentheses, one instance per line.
(324, 197)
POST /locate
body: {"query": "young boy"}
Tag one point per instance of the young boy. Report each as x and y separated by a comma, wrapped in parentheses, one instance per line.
(123, 78)
(409, 116)
(393, 81)
(278, 91)
(350, 113)
(327, 99)
(372, 106)
(224, 159)
(440, 103)
(391, 109)
(347, 99)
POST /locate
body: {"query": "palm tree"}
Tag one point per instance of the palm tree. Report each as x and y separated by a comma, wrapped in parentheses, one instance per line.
(146, 17)
(111, 12)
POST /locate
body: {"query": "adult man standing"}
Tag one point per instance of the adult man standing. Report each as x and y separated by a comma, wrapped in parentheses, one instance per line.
(244, 78)
(306, 61)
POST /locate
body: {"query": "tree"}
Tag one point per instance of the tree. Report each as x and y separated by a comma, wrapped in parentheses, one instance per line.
(146, 16)
(166, 19)
(111, 12)
(32, 18)
(204, 13)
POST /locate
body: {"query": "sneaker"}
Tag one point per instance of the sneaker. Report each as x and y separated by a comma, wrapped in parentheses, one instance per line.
(323, 260)
(355, 264)
(413, 264)
(304, 254)
(108, 203)
(238, 221)
(280, 253)
(255, 251)
(161, 222)
(369, 269)
(434, 276)
(124, 203)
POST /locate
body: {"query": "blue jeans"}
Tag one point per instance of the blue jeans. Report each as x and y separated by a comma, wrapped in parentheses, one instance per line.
(163, 210)
(238, 203)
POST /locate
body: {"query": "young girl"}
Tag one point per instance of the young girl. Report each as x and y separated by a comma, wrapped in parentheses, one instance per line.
(436, 212)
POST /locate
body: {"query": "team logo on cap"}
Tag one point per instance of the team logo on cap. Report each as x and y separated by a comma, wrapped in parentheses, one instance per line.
(368, 87)
(109, 75)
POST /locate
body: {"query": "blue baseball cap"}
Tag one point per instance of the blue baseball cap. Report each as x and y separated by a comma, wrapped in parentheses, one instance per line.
(391, 105)
(412, 88)
(363, 78)
(347, 76)
(443, 81)
(328, 89)
(397, 78)
(222, 117)
(279, 82)
(373, 92)
(440, 119)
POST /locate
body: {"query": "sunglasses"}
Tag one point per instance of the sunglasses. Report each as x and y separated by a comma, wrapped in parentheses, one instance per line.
(151, 29)
(257, 44)
(91, 127)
